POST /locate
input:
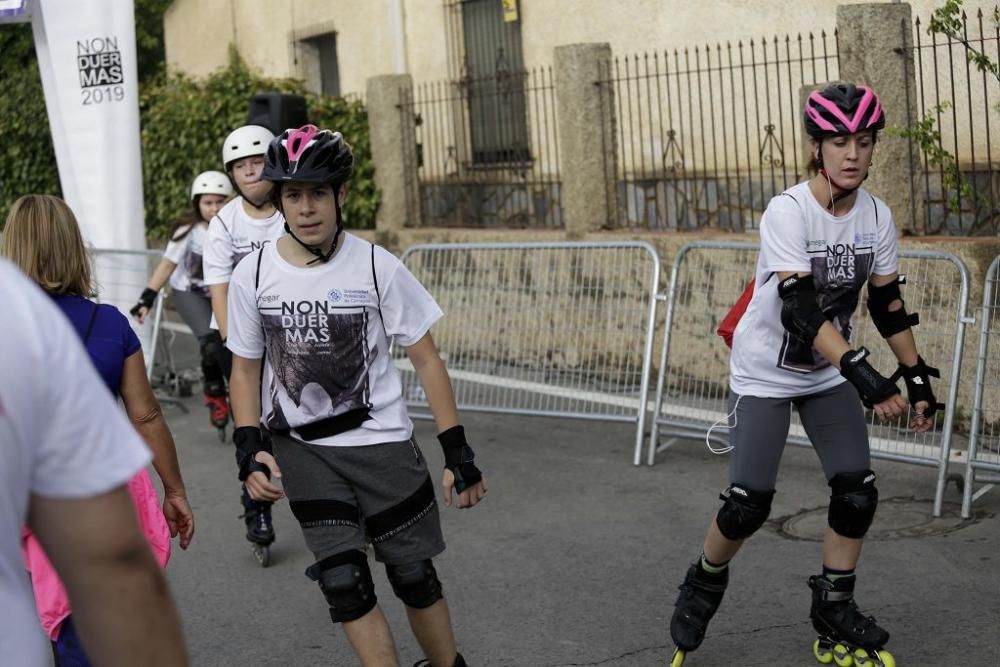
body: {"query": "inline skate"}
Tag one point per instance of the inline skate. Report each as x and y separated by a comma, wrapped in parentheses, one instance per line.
(846, 636)
(700, 596)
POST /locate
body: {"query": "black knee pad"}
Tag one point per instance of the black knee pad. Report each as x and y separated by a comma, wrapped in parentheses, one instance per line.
(852, 503)
(346, 582)
(743, 511)
(416, 584)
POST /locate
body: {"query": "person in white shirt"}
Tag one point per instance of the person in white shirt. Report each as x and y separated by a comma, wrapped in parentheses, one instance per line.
(820, 242)
(182, 266)
(248, 222)
(68, 454)
(324, 304)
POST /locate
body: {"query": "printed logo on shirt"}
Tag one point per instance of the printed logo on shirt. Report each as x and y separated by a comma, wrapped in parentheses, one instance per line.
(816, 243)
(269, 298)
(865, 238)
(334, 295)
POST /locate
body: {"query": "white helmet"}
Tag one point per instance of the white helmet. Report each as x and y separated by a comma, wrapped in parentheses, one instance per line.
(244, 142)
(211, 183)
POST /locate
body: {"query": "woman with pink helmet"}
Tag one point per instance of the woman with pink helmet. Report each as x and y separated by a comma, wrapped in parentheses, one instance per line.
(821, 241)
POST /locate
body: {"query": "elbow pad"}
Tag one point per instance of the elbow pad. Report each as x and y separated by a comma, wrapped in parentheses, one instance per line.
(800, 314)
(889, 322)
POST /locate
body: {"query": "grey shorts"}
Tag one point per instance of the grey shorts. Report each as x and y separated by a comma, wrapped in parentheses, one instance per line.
(340, 495)
(833, 419)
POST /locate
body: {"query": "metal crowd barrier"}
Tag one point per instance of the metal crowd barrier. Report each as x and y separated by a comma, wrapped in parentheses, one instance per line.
(120, 277)
(984, 436)
(543, 328)
(693, 382)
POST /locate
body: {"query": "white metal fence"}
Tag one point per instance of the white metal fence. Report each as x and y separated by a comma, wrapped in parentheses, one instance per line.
(560, 329)
(120, 277)
(707, 277)
(984, 436)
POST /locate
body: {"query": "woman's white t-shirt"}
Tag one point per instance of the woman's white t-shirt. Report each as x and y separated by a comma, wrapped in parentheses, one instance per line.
(798, 235)
(326, 340)
(186, 253)
(232, 235)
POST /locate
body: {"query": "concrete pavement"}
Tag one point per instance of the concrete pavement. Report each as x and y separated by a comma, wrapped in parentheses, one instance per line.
(575, 556)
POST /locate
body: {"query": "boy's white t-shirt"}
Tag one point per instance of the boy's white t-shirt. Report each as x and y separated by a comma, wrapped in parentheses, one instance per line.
(798, 235)
(189, 276)
(325, 340)
(232, 235)
(61, 436)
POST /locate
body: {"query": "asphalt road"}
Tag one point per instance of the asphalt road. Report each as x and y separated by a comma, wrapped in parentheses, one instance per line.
(574, 558)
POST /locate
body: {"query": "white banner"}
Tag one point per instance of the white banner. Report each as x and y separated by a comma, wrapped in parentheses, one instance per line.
(86, 55)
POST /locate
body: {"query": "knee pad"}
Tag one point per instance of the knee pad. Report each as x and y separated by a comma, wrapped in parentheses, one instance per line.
(416, 584)
(211, 345)
(743, 511)
(346, 582)
(852, 503)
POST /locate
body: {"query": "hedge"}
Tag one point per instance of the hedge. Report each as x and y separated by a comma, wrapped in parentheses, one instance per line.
(183, 123)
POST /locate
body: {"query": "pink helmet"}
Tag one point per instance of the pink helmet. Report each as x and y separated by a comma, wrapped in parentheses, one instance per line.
(843, 108)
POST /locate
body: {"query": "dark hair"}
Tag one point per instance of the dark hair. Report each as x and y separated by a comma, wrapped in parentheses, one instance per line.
(186, 222)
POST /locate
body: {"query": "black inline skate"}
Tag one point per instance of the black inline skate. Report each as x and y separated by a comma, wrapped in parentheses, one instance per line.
(260, 530)
(846, 636)
(700, 596)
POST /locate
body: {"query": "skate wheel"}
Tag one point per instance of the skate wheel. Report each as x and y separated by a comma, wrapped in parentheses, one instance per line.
(884, 658)
(262, 553)
(842, 656)
(822, 654)
(862, 659)
(678, 658)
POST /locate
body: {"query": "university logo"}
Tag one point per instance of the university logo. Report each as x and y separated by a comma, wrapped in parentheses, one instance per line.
(335, 296)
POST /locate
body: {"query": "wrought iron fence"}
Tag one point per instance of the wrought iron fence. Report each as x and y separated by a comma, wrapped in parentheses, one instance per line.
(487, 150)
(964, 102)
(707, 135)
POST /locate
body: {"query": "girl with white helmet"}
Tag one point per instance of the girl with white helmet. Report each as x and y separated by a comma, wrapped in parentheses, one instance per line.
(246, 223)
(182, 267)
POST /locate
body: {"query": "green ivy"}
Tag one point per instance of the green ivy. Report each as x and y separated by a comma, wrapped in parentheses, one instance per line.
(27, 159)
(183, 124)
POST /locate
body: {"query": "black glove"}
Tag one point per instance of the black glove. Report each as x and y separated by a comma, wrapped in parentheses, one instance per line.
(459, 458)
(249, 441)
(918, 385)
(871, 385)
(146, 301)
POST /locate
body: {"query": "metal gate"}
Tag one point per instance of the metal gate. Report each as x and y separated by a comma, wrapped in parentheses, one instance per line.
(984, 435)
(559, 329)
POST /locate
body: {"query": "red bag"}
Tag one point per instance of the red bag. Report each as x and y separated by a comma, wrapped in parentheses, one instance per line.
(727, 327)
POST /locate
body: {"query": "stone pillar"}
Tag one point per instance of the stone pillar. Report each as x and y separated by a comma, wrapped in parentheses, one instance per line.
(389, 100)
(876, 48)
(587, 140)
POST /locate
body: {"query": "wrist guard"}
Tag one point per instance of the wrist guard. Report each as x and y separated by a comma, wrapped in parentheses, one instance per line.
(871, 385)
(146, 300)
(459, 458)
(249, 441)
(918, 385)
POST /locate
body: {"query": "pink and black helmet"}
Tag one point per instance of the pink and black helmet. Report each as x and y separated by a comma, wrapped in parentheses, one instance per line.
(843, 108)
(308, 154)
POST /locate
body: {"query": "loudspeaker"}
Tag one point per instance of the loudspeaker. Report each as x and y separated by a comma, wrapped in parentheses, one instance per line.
(277, 111)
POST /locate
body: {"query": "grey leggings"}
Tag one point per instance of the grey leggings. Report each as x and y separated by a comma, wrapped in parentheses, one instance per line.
(834, 421)
(195, 310)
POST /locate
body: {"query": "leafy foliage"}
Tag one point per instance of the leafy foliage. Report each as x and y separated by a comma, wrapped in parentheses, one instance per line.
(183, 123)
